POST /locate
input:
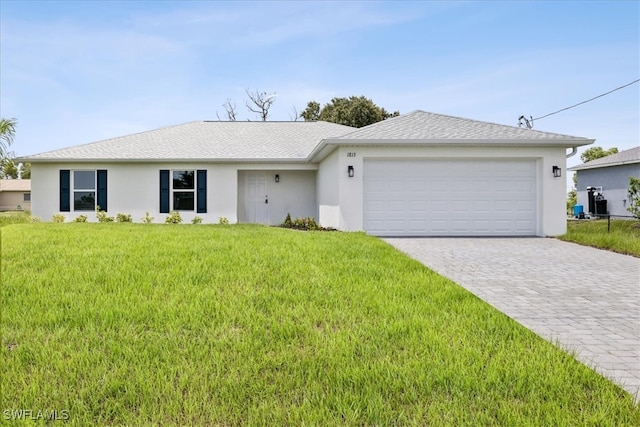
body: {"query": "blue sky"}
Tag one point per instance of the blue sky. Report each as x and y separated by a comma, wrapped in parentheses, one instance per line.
(76, 72)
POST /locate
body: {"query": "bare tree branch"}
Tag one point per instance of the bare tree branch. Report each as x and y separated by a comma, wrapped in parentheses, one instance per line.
(260, 102)
(296, 115)
(230, 108)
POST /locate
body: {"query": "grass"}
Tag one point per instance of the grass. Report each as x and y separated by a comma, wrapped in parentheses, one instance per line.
(14, 217)
(624, 236)
(129, 324)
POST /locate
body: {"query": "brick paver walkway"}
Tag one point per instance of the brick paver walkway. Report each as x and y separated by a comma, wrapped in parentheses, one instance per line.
(585, 299)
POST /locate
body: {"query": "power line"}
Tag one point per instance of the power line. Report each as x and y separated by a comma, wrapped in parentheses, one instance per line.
(529, 122)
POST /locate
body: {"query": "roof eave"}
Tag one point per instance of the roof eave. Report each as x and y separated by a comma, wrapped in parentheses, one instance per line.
(606, 165)
(462, 142)
(163, 160)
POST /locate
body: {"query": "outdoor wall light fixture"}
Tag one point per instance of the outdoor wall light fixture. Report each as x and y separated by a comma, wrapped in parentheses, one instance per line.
(350, 171)
(557, 172)
(277, 178)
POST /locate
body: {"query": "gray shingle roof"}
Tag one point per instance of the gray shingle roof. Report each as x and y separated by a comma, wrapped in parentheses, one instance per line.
(295, 141)
(258, 141)
(421, 125)
(622, 158)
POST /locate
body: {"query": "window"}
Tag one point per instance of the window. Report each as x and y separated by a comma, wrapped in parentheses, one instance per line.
(26, 197)
(83, 187)
(84, 190)
(183, 190)
(187, 189)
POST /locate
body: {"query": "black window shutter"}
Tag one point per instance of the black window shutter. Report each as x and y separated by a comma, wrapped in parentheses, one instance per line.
(102, 189)
(65, 190)
(164, 191)
(202, 191)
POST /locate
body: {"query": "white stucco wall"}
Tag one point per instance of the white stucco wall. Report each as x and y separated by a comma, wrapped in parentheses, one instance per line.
(327, 185)
(550, 192)
(133, 188)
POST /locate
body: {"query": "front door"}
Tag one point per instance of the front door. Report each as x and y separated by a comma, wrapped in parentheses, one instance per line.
(257, 202)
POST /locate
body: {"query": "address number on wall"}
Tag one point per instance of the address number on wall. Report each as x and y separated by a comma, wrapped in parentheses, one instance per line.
(351, 154)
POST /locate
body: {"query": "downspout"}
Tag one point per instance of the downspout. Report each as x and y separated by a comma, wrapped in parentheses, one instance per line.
(573, 152)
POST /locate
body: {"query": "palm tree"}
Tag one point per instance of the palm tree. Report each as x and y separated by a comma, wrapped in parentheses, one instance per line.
(7, 134)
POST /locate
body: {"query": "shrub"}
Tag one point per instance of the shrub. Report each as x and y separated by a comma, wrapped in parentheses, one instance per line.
(58, 218)
(308, 223)
(80, 218)
(223, 220)
(287, 221)
(173, 218)
(634, 196)
(146, 219)
(196, 220)
(102, 216)
(572, 200)
(123, 218)
(34, 219)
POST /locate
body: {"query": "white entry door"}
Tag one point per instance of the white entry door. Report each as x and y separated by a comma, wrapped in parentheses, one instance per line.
(257, 199)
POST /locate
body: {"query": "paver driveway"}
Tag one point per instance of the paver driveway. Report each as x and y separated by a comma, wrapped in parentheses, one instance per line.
(585, 299)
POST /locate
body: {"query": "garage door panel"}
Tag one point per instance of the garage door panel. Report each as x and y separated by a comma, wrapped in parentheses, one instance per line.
(418, 206)
(482, 206)
(481, 225)
(524, 206)
(396, 206)
(450, 197)
(523, 225)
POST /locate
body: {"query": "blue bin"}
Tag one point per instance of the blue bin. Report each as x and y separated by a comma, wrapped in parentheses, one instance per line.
(577, 210)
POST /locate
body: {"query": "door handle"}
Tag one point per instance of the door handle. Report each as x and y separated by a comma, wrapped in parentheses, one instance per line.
(266, 200)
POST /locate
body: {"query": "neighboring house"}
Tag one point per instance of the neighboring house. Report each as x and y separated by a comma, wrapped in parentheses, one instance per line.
(419, 174)
(610, 176)
(15, 194)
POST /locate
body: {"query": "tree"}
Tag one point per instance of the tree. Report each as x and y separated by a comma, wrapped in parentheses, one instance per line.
(355, 111)
(8, 169)
(7, 134)
(594, 153)
(634, 196)
(312, 112)
(25, 170)
(230, 108)
(260, 103)
(572, 199)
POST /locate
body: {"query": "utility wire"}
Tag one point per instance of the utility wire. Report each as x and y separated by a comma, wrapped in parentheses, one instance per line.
(588, 100)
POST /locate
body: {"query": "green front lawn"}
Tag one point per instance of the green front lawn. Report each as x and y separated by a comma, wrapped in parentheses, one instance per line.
(129, 324)
(623, 236)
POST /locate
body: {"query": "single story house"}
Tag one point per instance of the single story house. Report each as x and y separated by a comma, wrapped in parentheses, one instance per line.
(418, 174)
(15, 194)
(609, 176)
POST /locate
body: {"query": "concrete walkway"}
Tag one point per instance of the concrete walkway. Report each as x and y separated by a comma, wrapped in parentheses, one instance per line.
(585, 299)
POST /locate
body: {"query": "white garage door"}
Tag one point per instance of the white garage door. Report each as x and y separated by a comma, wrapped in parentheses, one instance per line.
(450, 197)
